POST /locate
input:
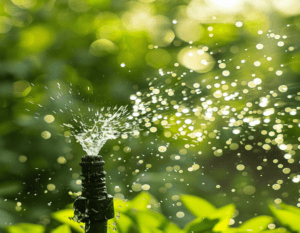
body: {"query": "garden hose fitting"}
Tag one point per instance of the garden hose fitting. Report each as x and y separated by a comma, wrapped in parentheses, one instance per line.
(94, 207)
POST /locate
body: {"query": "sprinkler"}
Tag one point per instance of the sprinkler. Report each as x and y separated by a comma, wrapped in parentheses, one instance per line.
(94, 207)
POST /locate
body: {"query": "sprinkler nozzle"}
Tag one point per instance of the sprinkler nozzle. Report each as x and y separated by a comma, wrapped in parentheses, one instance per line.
(94, 207)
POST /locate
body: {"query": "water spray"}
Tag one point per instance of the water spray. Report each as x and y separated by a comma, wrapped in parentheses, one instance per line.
(94, 207)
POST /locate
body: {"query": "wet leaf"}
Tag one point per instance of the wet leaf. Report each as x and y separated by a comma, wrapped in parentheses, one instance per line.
(151, 219)
(286, 217)
(279, 230)
(62, 229)
(238, 230)
(290, 208)
(156, 221)
(257, 224)
(26, 228)
(123, 225)
(233, 230)
(145, 201)
(200, 225)
(172, 228)
(140, 217)
(224, 213)
(198, 206)
(121, 205)
(64, 216)
(203, 209)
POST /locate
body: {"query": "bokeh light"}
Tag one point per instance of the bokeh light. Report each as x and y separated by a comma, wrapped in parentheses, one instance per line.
(196, 59)
(215, 84)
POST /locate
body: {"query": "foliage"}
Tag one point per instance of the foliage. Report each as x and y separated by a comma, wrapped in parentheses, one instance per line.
(143, 215)
(109, 50)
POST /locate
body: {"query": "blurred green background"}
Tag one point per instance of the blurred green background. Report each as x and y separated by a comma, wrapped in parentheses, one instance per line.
(112, 47)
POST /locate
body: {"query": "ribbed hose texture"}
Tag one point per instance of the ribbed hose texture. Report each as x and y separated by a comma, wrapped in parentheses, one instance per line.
(94, 181)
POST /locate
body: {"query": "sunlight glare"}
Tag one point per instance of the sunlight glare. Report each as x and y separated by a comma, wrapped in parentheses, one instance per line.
(226, 3)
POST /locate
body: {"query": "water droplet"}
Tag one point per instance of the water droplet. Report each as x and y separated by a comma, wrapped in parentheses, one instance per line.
(180, 214)
(239, 24)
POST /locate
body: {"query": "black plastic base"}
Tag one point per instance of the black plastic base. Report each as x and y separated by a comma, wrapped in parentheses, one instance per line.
(97, 227)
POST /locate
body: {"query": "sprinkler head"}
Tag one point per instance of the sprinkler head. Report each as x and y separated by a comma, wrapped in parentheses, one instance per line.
(94, 207)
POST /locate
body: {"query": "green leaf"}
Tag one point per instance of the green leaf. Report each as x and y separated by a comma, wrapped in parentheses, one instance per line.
(279, 230)
(238, 230)
(286, 218)
(142, 215)
(150, 219)
(233, 230)
(62, 229)
(257, 224)
(69, 206)
(203, 209)
(8, 188)
(198, 206)
(123, 224)
(224, 213)
(121, 205)
(64, 216)
(147, 222)
(291, 208)
(112, 226)
(144, 202)
(200, 225)
(172, 228)
(145, 229)
(26, 228)
(112, 229)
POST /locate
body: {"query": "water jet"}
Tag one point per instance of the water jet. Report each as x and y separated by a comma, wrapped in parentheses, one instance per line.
(95, 206)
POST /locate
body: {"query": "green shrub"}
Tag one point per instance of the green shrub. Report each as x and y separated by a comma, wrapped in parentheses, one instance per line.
(143, 214)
